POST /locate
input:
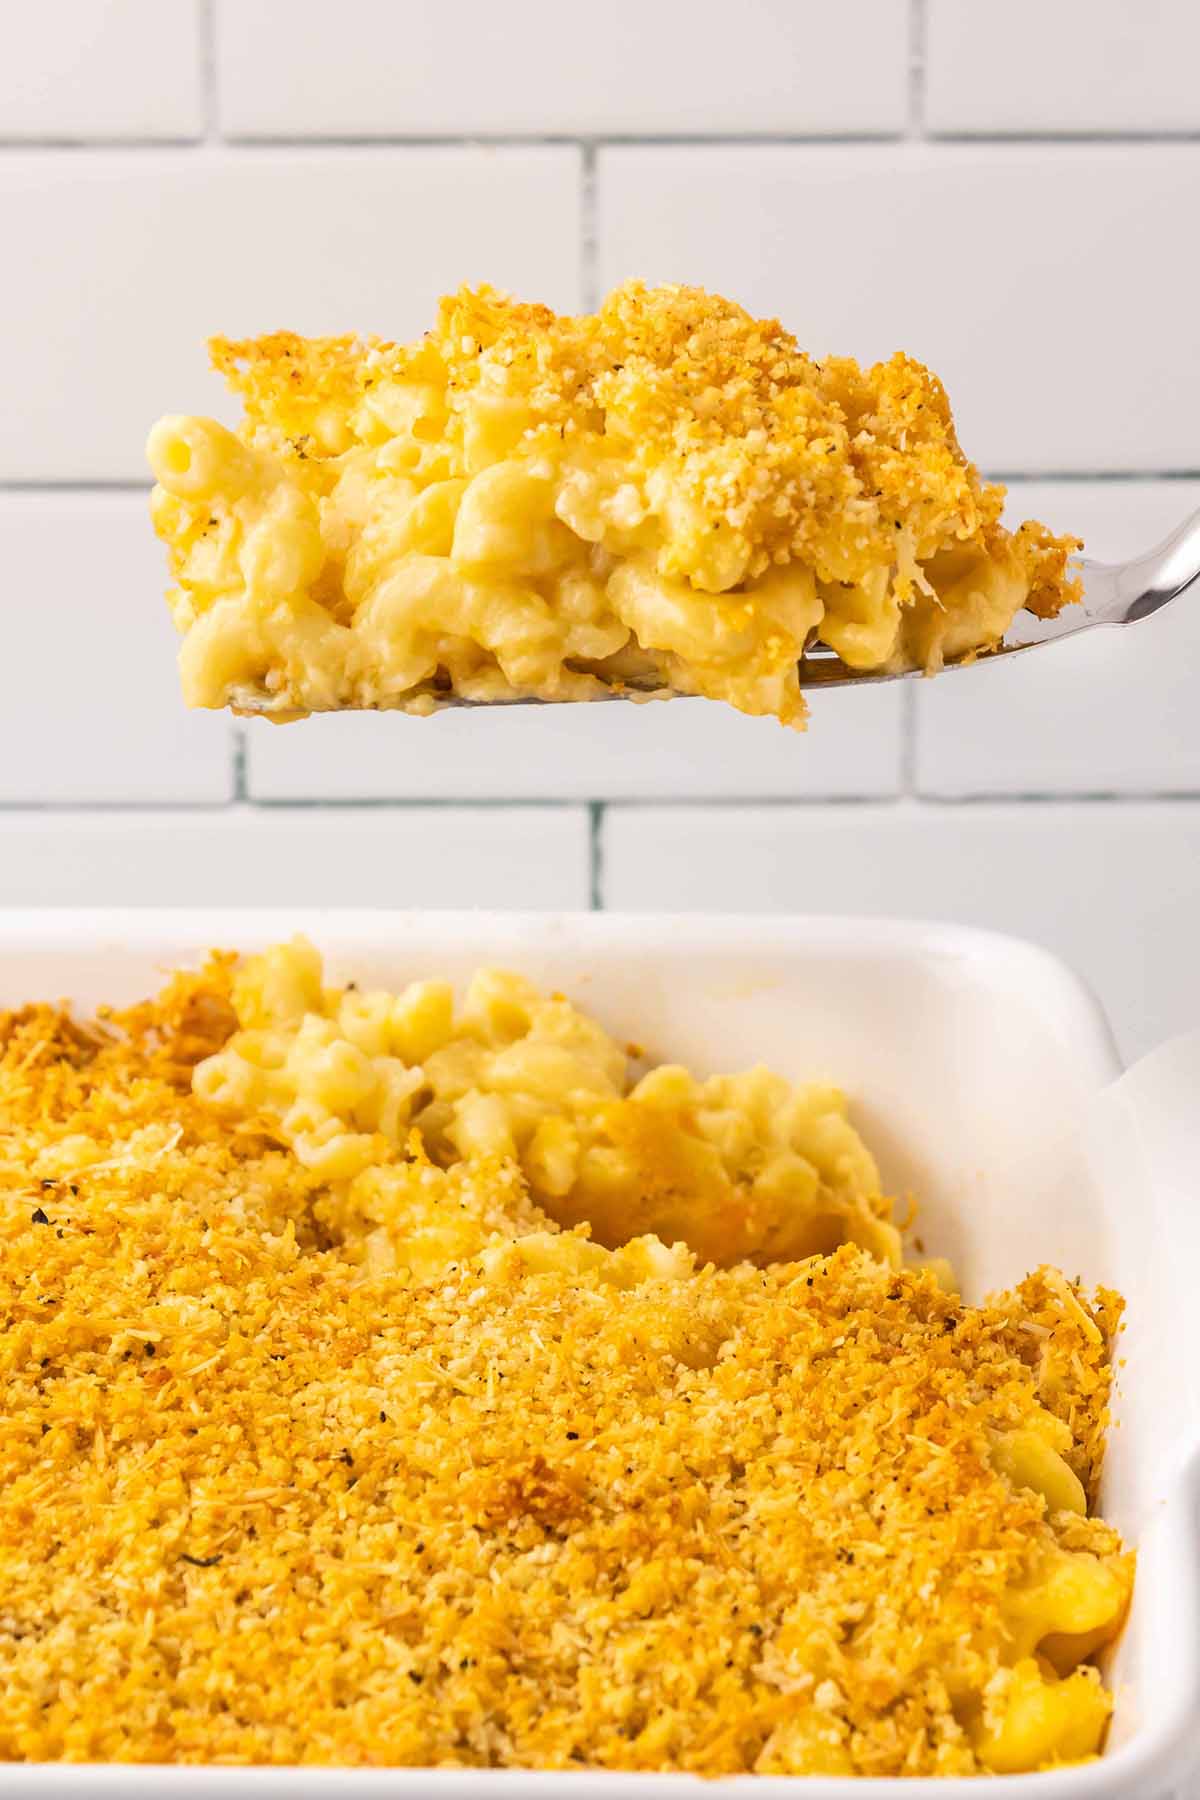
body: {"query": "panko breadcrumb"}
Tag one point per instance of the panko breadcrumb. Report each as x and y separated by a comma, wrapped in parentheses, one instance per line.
(260, 1502)
(665, 496)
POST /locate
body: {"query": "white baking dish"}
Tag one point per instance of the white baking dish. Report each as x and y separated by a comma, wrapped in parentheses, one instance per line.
(983, 1075)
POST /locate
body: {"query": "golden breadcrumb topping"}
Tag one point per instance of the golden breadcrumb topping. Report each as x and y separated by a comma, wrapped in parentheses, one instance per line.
(798, 460)
(260, 1502)
(667, 494)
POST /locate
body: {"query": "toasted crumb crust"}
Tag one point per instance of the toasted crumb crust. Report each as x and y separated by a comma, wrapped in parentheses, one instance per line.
(820, 462)
(260, 1505)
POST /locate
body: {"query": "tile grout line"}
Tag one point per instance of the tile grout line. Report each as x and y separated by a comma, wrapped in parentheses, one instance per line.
(14, 146)
(240, 753)
(922, 801)
(468, 140)
(589, 293)
(1080, 477)
(248, 807)
(589, 245)
(1049, 140)
(525, 140)
(207, 23)
(918, 800)
(596, 855)
(51, 485)
(463, 140)
(917, 38)
(908, 741)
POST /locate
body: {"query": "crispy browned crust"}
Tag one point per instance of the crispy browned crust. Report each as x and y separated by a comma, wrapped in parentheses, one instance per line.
(814, 460)
(260, 1504)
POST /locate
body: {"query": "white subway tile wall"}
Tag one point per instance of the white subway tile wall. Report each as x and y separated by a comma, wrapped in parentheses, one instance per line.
(521, 856)
(406, 68)
(656, 750)
(74, 70)
(89, 702)
(171, 168)
(1095, 67)
(1114, 890)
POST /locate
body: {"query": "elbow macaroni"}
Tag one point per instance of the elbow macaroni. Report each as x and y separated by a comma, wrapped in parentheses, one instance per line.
(667, 497)
(736, 1166)
(388, 1097)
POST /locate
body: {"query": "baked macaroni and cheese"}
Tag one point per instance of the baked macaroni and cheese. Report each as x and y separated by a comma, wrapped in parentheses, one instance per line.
(331, 1433)
(666, 497)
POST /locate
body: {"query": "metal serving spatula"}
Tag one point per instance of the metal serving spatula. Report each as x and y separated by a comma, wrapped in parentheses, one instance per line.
(1113, 594)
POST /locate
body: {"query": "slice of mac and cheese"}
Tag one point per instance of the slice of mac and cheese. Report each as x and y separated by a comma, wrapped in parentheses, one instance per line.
(666, 497)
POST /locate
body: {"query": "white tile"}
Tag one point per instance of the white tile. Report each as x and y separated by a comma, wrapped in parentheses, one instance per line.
(101, 69)
(595, 752)
(1111, 712)
(350, 856)
(1113, 889)
(89, 695)
(130, 260)
(1073, 66)
(375, 67)
(1019, 273)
